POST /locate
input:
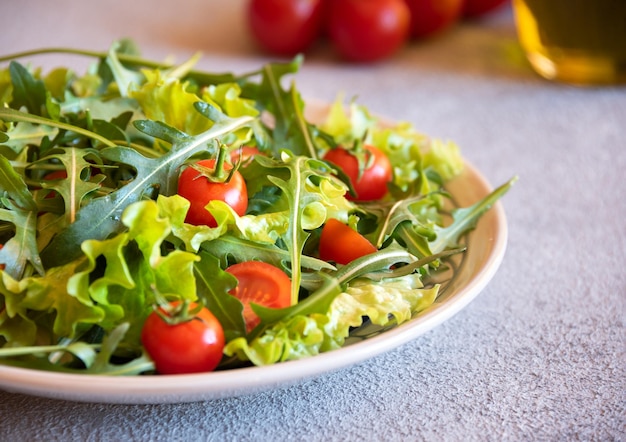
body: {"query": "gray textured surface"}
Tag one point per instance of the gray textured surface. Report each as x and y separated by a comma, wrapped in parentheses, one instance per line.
(539, 355)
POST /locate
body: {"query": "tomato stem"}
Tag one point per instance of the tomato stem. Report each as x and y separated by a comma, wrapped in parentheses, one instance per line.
(219, 163)
(173, 313)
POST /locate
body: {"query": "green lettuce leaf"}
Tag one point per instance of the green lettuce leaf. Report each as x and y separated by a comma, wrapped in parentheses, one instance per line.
(300, 336)
(27, 300)
(136, 270)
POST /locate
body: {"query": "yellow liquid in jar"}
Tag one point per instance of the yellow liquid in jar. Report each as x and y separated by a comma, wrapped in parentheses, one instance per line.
(580, 42)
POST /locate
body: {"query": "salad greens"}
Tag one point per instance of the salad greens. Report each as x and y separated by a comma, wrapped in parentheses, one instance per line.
(93, 233)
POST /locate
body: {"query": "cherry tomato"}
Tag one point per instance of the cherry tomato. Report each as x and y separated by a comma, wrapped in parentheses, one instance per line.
(476, 8)
(285, 27)
(372, 184)
(342, 244)
(368, 30)
(260, 283)
(199, 190)
(429, 17)
(56, 175)
(192, 346)
(244, 154)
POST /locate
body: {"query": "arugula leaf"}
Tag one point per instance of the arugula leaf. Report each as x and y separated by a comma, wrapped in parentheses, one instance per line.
(465, 219)
(73, 189)
(7, 114)
(101, 217)
(21, 248)
(14, 186)
(228, 247)
(27, 91)
(213, 287)
(288, 128)
(301, 170)
(18, 207)
(96, 358)
(125, 78)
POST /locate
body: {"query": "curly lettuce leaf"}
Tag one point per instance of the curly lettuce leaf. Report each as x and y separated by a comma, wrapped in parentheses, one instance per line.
(135, 269)
(301, 336)
(169, 101)
(36, 307)
(84, 291)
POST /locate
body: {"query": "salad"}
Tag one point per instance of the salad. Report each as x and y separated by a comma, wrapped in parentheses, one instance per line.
(158, 219)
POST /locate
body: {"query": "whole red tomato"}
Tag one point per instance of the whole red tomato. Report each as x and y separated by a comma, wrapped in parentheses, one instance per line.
(259, 283)
(341, 244)
(372, 183)
(367, 30)
(199, 190)
(476, 8)
(285, 27)
(429, 17)
(191, 346)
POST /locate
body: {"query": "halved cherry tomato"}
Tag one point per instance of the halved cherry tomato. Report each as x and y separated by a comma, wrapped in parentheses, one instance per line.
(192, 346)
(285, 27)
(372, 184)
(368, 30)
(342, 244)
(199, 190)
(260, 283)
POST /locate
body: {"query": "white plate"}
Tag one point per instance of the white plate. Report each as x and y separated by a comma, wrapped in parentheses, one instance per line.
(487, 244)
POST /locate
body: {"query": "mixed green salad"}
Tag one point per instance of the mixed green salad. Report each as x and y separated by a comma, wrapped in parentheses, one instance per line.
(96, 236)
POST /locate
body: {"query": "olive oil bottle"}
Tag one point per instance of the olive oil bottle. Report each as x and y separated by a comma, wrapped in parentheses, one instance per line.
(580, 42)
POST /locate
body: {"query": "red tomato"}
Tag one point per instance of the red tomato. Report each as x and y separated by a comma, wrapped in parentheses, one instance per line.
(372, 185)
(244, 154)
(260, 283)
(56, 175)
(342, 244)
(368, 30)
(2, 266)
(192, 346)
(285, 27)
(429, 17)
(475, 8)
(199, 190)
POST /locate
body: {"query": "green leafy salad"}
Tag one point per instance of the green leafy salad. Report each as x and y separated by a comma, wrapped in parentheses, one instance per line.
(96, 234)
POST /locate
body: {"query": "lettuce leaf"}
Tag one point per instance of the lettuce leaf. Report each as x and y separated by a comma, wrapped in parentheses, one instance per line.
(302, 336)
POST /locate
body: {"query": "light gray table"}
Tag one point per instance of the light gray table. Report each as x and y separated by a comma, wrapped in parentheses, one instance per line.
(539, 355)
